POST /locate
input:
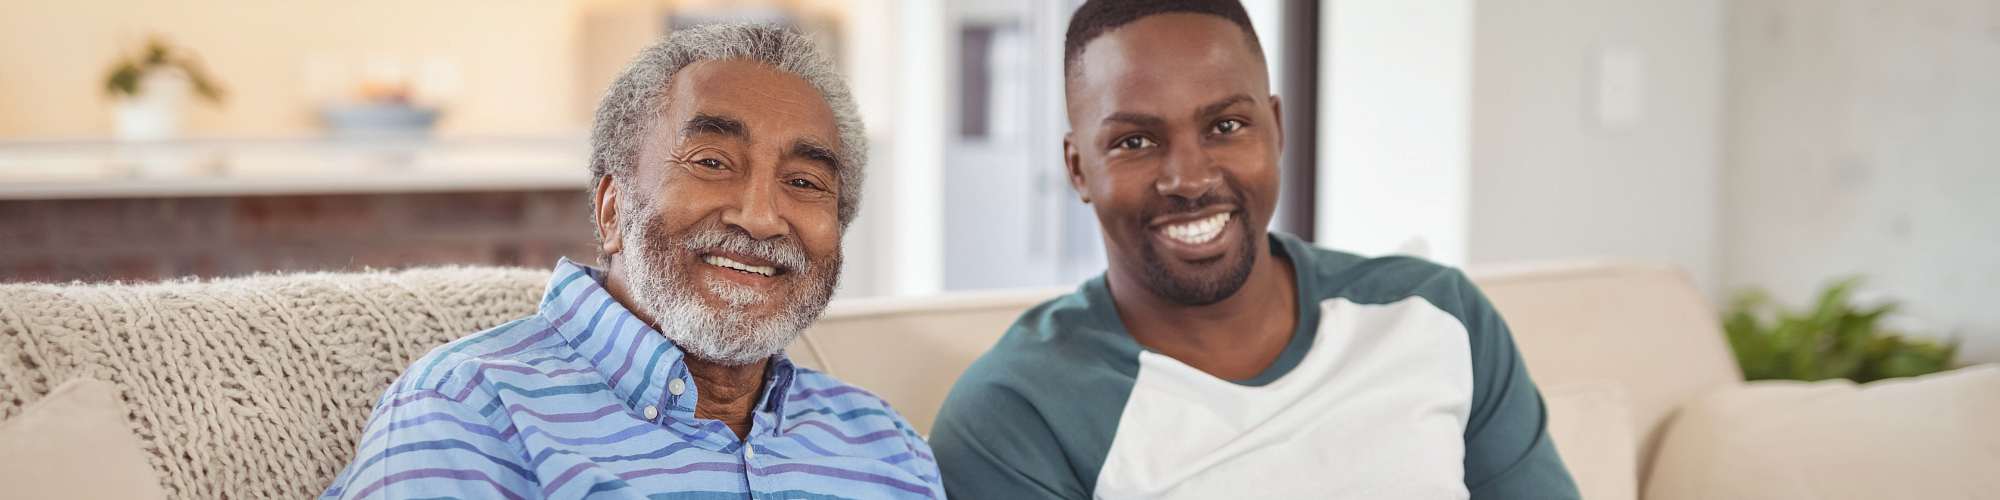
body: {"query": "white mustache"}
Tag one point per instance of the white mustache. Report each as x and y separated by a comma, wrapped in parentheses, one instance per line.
(784, 251)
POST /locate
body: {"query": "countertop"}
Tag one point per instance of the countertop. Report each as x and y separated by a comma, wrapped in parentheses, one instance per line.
(261, 166)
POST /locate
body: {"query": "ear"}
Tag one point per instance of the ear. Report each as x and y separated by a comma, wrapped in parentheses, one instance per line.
(610, 240)
(1278, 117)
(1073, 162)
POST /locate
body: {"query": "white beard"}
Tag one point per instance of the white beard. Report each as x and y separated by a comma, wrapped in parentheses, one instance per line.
(730, 335)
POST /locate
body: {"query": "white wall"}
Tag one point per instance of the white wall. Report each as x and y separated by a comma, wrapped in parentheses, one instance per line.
(514, 59)
(1865, 139)
(1551, 178)
(1395, 111)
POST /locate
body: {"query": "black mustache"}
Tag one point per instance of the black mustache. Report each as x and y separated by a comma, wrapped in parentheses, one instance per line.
(1176, 204)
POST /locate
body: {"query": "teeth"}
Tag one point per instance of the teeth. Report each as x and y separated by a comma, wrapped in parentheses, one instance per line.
(1199, 231)
(725, 262)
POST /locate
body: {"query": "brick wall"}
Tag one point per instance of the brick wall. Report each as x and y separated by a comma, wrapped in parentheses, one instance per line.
(158, 238)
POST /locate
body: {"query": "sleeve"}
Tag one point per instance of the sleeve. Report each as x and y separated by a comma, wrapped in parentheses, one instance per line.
(992, 444)
(1508, 452)
(422, 444)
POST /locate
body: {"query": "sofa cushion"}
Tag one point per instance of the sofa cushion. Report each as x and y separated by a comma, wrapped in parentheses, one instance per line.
(1934, 437)
(1591, 423)
(75, 443)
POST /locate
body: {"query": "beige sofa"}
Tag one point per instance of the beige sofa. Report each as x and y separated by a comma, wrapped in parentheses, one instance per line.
(1599, 336)
(258, 387)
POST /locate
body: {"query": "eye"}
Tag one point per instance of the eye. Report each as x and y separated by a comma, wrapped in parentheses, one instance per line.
(710, 163)
(802, 183)
(1136, 142)
(1227, 126)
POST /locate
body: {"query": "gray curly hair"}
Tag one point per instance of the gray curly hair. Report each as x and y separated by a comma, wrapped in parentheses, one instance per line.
(627, 115)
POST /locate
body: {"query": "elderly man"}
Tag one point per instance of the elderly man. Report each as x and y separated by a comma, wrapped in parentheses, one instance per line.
(726, 162)
(1214, 359)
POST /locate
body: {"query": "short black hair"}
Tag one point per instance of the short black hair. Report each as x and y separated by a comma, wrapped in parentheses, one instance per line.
(1097, 17)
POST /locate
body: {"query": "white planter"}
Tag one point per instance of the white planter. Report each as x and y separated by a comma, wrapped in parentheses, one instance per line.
(158, 112)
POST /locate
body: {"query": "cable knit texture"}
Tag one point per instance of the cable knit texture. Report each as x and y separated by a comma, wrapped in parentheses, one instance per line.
(253, 387)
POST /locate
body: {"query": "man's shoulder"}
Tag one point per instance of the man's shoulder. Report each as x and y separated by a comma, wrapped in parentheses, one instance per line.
(1063, 367)
(817, 396)
(1393, 278)
(1332, 274)
(816, 392)
(517, 345)
(1053, 340)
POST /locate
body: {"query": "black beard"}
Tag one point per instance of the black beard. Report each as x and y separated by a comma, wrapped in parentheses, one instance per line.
(1202, 288)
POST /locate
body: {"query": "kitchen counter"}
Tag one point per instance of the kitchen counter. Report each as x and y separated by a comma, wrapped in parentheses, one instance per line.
(206, 167)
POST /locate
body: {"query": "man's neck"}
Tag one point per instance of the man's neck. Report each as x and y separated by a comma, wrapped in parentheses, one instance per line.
(1234, 339)
(727, 393)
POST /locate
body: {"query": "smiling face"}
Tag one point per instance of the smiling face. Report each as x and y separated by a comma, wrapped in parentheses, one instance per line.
(729, 236)
(1174, 141)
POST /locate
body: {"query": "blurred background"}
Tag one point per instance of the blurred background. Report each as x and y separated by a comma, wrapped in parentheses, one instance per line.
(1777, 145)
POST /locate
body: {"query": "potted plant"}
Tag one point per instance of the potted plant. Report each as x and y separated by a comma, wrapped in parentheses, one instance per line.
(151, 90)
(1836, 338)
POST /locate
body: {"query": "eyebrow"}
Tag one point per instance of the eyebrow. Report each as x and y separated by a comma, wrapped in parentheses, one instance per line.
(712, 124)
(816, 153)
(1225, 103)
(1145, 120)
(1140, 119)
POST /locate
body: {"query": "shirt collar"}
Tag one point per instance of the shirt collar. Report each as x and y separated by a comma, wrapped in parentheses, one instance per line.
(640, 363)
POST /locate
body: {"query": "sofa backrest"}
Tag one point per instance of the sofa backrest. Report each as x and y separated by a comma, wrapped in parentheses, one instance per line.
(910, 350)
(247, 388)
(1641, 323)
(258, 387)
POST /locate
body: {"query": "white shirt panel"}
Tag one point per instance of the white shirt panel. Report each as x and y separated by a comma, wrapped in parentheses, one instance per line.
(1376, 409)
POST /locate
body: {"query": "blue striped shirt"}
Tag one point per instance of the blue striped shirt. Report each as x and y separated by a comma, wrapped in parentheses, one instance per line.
(584, 400)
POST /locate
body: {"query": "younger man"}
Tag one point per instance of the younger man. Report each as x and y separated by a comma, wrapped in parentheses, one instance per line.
(1214, 359)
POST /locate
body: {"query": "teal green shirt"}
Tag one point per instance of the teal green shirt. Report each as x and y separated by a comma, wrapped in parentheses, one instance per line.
(1401, 381)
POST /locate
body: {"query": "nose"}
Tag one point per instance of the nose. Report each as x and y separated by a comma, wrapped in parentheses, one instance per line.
(756, 211)
(1188, 171)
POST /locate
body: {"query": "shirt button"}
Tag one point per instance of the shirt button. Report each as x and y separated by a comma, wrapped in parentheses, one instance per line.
(652, 413)
(676, 386)
(748, 452)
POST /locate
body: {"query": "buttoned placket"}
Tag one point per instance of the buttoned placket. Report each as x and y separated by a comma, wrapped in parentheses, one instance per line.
(669, 399)
(768, 418)
(675, 388)
(677, 394)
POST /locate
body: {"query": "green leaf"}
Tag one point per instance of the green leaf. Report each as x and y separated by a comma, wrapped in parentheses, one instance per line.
(124, 80)
(1835, 339)
(127, 75)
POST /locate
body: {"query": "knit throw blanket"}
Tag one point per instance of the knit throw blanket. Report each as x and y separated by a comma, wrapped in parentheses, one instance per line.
(252, 387)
